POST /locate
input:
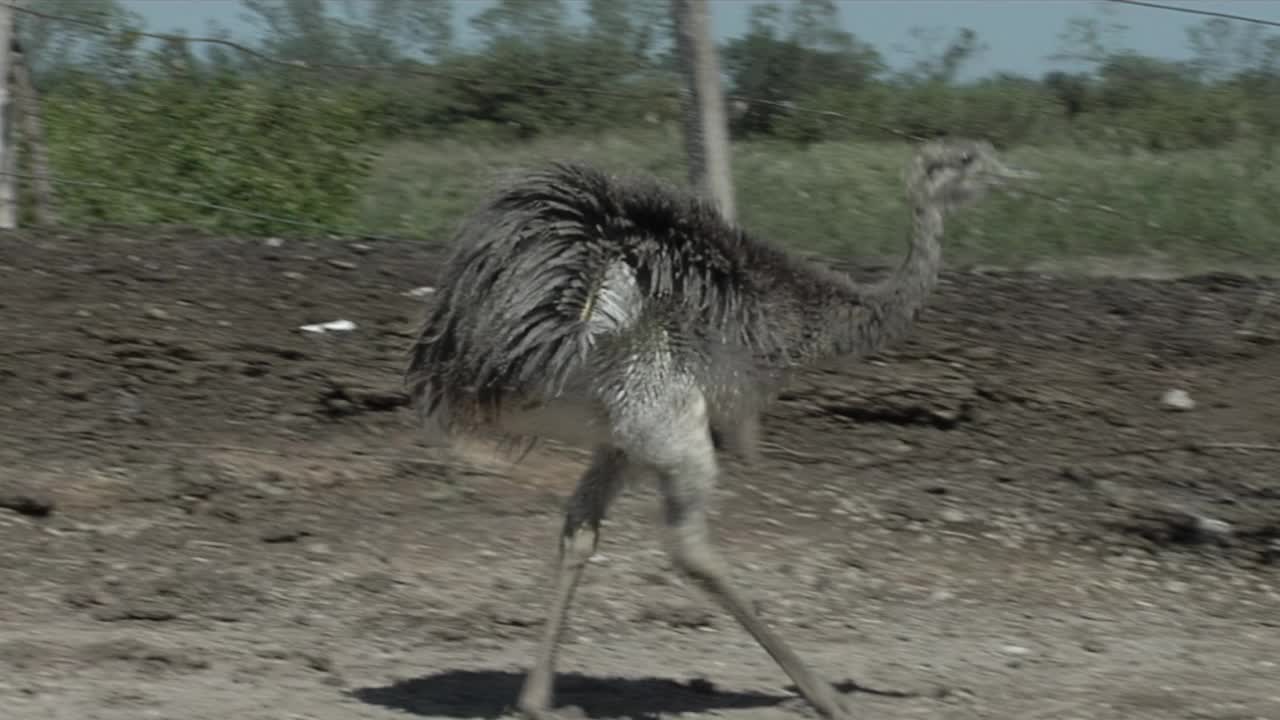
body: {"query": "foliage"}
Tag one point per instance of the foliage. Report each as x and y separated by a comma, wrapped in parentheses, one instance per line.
(782, 59)
(360, 32)
(845, 198)
(56, 48)
(210, 123)
(284, 149)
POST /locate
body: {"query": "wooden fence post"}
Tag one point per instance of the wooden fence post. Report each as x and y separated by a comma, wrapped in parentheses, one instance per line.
(706, 129)
(33, 134)
(8, 146)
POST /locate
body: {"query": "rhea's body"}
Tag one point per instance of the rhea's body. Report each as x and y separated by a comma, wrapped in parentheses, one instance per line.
(570, 281)
(630, 318)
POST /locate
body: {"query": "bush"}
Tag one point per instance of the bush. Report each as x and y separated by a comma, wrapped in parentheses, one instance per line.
(263, 146)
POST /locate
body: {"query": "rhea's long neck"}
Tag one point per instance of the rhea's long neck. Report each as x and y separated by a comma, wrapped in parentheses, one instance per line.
(882, 313)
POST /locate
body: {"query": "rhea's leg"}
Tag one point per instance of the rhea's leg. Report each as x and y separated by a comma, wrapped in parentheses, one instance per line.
(591, 499)
(682, 453)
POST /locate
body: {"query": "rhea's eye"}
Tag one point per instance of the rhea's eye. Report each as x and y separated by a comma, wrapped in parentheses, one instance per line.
(966, 159)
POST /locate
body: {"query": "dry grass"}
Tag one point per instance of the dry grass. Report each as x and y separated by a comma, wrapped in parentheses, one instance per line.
(1128, 213)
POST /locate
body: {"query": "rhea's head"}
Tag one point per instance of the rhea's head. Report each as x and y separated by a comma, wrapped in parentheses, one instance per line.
(955, 173)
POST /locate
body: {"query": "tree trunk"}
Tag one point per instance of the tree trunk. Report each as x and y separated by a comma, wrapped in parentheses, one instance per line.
(706, 130)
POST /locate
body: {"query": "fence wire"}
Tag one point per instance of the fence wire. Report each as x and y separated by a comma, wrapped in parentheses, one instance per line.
(405, 70)
(323, 69)
(1199, 11)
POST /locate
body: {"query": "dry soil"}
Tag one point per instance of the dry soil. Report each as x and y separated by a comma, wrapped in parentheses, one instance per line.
(209, 513)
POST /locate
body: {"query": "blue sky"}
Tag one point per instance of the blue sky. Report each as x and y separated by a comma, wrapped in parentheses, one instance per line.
(1020, 34)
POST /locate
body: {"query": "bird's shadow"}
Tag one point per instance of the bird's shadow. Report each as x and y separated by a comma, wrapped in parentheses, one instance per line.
(492, 694)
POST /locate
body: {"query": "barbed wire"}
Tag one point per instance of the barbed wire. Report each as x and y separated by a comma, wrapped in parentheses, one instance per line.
(194, 202)
(403, 69)
(325, 66)
(156, 152)
(1199, 11)
(442, 75)
(356, 233)
(344, 232)
(418, 71)
(787, 106)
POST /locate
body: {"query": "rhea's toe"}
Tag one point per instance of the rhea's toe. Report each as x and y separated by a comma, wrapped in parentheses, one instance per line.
(571, 712)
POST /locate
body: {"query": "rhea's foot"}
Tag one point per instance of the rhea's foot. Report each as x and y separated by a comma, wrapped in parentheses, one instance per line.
(543, 711)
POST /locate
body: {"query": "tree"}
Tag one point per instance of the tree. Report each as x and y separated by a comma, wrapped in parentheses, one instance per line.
(940, 60)
(390, 30)
(53, 48)
(1090, 41)
(298, 30)
(1072, 91)
(530, 21)
(815, 24)
(786, 57)
(353, 31)
(637, 25)
(220, 59)
(1222, 49)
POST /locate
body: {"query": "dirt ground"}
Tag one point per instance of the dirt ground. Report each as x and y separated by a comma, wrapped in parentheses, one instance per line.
(209, 513)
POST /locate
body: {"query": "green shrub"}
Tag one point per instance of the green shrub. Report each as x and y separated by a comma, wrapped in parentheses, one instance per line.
(278, 148)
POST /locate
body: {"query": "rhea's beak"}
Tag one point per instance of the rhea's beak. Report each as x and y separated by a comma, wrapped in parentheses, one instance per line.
(1007, 174)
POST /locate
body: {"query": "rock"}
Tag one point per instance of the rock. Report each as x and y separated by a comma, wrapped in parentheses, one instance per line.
(317, 661)
(156, 313)
(24, 501)
(338, 407)
(1271, 555)
(272, 652)
(677, 615)
(1175, 399)
(1212, 528)
(131, 650)
(952, 515)
(283, 535)
(274, 242)
(702, 686)
(342, 264)
(374, 582)
(135, 611)
(331, 326)
(319, 549)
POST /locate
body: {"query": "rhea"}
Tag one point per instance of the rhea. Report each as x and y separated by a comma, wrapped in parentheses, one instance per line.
(628, 317)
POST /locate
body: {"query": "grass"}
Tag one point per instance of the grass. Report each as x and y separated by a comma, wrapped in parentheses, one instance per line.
(1173, 212)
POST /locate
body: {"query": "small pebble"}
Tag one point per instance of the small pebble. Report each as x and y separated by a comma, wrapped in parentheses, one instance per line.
(29, 502)
(1178, 400)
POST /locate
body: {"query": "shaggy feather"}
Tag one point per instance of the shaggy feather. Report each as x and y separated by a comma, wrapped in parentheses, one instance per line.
(569, 274)
(567, 261)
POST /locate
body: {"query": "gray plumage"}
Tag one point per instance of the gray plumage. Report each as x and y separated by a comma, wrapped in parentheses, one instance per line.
(568, 262)
(627, 316)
